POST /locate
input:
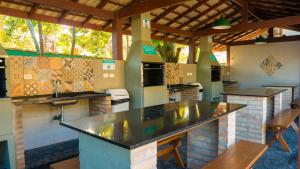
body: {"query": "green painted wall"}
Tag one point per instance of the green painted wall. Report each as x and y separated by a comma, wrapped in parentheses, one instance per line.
(205, 61)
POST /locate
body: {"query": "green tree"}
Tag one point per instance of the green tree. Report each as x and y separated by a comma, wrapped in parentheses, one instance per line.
(14, 33)
(95, 43)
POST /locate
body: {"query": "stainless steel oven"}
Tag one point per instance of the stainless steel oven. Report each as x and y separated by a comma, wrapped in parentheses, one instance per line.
(153, 74)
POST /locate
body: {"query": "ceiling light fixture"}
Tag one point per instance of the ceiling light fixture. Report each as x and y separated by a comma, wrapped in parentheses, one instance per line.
(221, 23)
(260, 40)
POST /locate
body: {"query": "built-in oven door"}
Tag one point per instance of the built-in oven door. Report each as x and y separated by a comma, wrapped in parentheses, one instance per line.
(153, 74)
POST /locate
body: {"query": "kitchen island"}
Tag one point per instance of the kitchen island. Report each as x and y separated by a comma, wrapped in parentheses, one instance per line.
(262, 105)
(129, 139)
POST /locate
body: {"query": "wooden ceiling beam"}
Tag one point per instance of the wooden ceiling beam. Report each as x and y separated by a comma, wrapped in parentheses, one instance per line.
(244, 12)
(273, 40)
(167, 29)
(146, 6)
(76, 7)
(241, 2)
(280, 22)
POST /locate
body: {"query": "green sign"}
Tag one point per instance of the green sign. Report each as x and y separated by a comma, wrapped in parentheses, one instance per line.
(108, 61)
(149, 50)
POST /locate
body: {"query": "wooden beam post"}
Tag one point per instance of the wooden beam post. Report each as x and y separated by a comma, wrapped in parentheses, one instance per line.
(117, 45)
(192, 51)
(271, 33)
(228, 56)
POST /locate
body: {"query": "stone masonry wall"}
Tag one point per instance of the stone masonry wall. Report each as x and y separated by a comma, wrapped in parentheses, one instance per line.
(251, 120)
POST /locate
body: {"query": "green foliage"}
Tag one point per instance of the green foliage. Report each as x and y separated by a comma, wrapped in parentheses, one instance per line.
(94, 42)
(14, 33)
(168, 52)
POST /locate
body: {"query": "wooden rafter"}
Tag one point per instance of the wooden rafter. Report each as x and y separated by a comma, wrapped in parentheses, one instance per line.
(273, 40)
(280, 22)
(76, 7)
(147, 6)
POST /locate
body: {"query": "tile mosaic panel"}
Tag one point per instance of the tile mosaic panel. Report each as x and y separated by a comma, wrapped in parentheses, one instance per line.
(270, 65)
(38, 75)
(172, 73)
(16, 76)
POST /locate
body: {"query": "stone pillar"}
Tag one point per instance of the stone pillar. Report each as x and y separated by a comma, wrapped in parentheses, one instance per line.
(251, 120)
(98, 105)
(207, 141)
(283, 100)
(95, 153)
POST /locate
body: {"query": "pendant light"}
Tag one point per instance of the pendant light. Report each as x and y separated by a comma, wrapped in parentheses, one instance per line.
(260, 40)
(221, 23)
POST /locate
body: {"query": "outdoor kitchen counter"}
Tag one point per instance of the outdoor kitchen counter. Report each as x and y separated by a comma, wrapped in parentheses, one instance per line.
(256, 92)
(138, 127)
(129, 139)
(262, 105)
(44, 99)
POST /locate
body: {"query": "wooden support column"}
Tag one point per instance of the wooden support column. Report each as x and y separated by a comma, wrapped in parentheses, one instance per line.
(192, 51)
(117, 48)
(271, 33)
(228, 55)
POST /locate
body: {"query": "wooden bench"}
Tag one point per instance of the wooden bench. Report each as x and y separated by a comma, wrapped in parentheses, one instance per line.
(72, 163)
(241, 155)
(173, 143)
(280, 123)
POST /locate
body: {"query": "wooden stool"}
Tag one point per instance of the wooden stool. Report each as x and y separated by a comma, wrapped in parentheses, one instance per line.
(172, 149)
(72, 163)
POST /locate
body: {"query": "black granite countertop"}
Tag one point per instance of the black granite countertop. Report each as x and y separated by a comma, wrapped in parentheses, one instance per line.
(42, 99)
(228, 82)
(289, 85)
(256, 92)
(135, 128)
(179, 87)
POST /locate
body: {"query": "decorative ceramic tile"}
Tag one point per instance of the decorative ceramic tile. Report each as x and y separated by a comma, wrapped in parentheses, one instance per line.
(44, 75)
(43, 63)
(56, 63)
(68, 63)
(68, 76)
(56, 75)
(78, 86)
(68, 87)
(31, 89)
(30, 62)
(88, 86)
(45, 88)
(172, 73)
(16, 81)
(270, 65)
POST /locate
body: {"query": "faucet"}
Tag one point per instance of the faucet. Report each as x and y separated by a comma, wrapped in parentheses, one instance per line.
(56, 83)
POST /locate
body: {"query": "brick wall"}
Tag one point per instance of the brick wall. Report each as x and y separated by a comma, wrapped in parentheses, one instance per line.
(207, 141)
(190, 94)
(202, 145)
(251, 120)
(285, 97)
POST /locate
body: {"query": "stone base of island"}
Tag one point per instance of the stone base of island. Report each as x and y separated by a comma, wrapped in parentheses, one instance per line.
(128, 140)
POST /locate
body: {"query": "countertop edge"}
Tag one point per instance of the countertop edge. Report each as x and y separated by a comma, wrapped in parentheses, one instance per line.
(154, 139)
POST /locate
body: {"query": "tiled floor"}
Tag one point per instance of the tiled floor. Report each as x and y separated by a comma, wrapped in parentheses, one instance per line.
(274, 158)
